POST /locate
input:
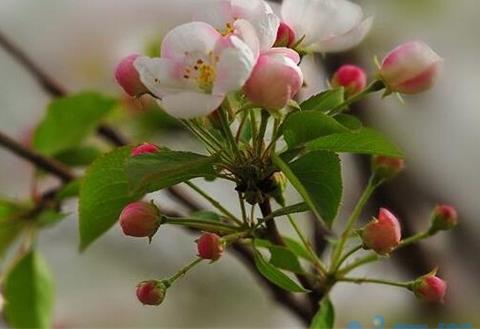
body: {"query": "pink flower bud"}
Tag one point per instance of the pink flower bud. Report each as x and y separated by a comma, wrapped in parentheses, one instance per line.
(430, 288)
(285, 36)
(382, 234)
(140, 219)
(128, 77)
(210, 246)
(144, 148)
(351, 77)
(151, 292)
(387, 167)
(410, 68)
(276, 78)
(444, 218)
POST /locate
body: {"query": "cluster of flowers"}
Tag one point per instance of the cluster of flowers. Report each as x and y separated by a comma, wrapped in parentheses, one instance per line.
(242, 45)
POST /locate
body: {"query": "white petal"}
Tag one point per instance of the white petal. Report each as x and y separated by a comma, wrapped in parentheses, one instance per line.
(190, 104)
(194, 37)
(261, 16)
(282, 51)
(293, 13)
(246, 32)
(234, 67)
(345, 41)
(159, 75)
(216, 13)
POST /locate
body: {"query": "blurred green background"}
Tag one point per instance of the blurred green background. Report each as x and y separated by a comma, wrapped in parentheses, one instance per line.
(79, 44)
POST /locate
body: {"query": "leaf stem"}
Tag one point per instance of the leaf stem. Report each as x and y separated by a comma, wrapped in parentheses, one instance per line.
(214, 202)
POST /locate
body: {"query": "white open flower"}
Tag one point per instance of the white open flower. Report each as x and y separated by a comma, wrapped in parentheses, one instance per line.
(228, 16)
(326, 25)
(197, 68)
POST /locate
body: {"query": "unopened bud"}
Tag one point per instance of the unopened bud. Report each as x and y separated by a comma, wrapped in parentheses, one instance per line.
(430, 288)
(444, 218)
(387, 167)
(351, 77)
(285, 36)
(210, 246)
(144, 148)
(128, 77)
(140, 219)
(151, 292)
(382, 234)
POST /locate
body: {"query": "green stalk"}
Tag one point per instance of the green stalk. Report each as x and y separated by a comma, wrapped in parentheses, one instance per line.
(228, 132)
(374, 86)
(378, 281)
(371, 186)
(182, 271)
(261, 133)
(348, 254)
(315, 259)
(214, 202)
(359, 262)
(414, 238)
(200, 224)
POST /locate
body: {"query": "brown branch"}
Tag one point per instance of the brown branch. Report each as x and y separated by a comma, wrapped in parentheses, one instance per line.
(49, 165)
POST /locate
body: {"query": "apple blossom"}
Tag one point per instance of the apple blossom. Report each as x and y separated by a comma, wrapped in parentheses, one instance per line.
(351, 77)
(286, 36)
(430, 288)
(144, 148)
(444, 217)
(275, 79)
(326, 25)
(151, 292)
(197, 68)
(382, 234)
(210, 246)
(410, 68)
(140, 219)
(229, 16)
(128, 78)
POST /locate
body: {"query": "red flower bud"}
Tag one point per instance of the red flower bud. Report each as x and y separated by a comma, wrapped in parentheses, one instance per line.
(382, 234)
(285, 36)
(387, 167)
(151, 292)
(144, 148)
(430, 288)
(140, 219)
(210, 246)
(128, 77)
(444, 218)
(351, 77)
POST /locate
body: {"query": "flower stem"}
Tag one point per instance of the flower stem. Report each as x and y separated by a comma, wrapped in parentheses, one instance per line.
(359, 262)
(315, 259)
(214, 202)
(378, 281)
(261, 132)
(374, 86)
(348, 254)
(201, 224)
(183, 271)
(227, 131)
(414, 238)
(371, 186)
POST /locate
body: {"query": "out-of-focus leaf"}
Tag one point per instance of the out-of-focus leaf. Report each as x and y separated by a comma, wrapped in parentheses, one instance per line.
(155, 171)
(104, 192)
(69, 120)
(79, 156)
(50, 218)
(10, 224)
(28, 294)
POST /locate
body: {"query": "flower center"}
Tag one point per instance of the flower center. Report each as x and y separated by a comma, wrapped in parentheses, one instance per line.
(202, 72)
(227, 30)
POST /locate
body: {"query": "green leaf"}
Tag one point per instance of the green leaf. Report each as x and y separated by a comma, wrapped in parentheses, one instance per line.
(10, 225)
(365, 140)
(50, 218)
(104, 192)
(275, 276)
(80, 156)
(28, 293)
(155, 171)
(206, 215)
(69, 120)
(324, 101)
(301, 127)
(317, 177)
(349, 121)
(297, 248)
(70, 190)
(325, 316)
(285, 259)
(295, 208)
